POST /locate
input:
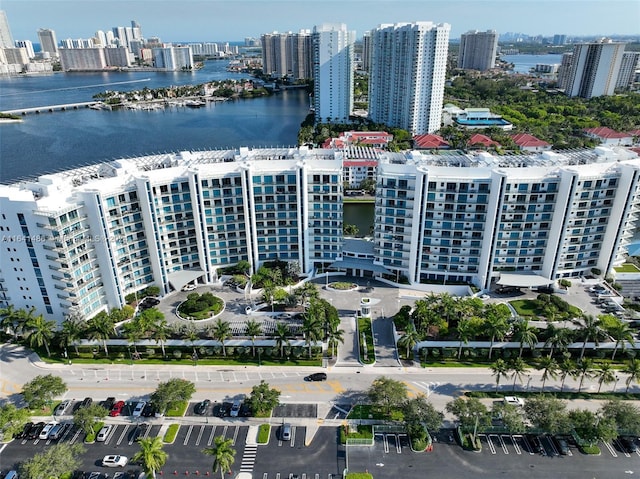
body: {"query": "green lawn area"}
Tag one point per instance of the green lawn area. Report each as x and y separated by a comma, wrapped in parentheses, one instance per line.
(263, 433)
(179, 410)
(627, 268)
(171, 433)
(525, 307)
(364, 327)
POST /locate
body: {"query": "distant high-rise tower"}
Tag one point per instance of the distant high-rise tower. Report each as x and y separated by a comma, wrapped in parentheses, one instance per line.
(478, 50)
(48, 41)
(333, 72)
(407, 74)
(559, 39)
(628, 66)
(564, 70)
(287, 54)
(6, 40)
(594, 68)
(366, 51)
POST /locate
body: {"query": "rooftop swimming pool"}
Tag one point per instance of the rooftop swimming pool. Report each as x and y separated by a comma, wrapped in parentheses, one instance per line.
(482, 121)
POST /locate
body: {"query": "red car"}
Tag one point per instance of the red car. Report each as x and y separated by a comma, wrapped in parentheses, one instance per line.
(116, 410)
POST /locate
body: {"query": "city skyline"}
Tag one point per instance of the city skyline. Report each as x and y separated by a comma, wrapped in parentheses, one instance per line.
(225, 20)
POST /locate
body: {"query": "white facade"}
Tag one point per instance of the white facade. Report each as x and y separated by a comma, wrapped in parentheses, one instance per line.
(82, 59)
(173, 58)
(594, 69)
(333, 72)
(628, 67)
(407, 74)
(48, 42)
(478, 50)
(6, 39)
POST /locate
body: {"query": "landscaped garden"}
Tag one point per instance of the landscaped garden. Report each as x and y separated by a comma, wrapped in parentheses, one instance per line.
(200, 306)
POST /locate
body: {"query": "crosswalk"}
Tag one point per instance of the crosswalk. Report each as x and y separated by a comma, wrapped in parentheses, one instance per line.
(249, 458)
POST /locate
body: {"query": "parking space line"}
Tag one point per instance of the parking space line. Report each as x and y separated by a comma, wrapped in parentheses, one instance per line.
(111, 434)
(124, 432)
(502, 444)
(235, 435)
(199, 435)
(224, 431)
(68, 429)
(277, 475)
(529, 448)
(515, 444)
(489, 443)
(293, 437)
(265, 475)
(611, 450)
(213, 431)
(624, 450)
(186, 439)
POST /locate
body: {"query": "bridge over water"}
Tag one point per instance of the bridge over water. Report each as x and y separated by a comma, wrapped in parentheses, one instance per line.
(52, 108)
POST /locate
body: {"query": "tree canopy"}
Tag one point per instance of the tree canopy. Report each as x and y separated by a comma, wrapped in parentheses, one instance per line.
(55, 461)
(263, 399)
(386, 392)
(169, 393)
(41, 390)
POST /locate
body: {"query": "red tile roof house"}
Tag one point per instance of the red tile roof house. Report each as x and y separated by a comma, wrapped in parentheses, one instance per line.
(607, 136)
(375, 139)
(430, 142)
(481, 141)
(527, 142)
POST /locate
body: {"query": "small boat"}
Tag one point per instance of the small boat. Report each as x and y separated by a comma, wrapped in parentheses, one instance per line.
(194, 103)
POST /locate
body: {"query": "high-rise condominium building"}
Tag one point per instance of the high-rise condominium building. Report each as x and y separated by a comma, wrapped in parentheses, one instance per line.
(83, 239)
(48, 41)
(287, 55)
(594, 68)
(6, 39)
(478, 50)
(628, 66)
(407, 74)
(333, 72)
(366, 51)
(564, 70)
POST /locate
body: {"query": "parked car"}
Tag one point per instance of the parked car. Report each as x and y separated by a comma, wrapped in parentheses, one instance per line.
(62, 407)
(44, 432)
(56, 431)
(149, 410)
(115, 461)
(86, 402)
(316, 377)
(628, 444)
(514, 401)
(189, 287)
(285, 432)
(535, 443)
(104, 433)
(223, 409)
(35, 430)
(202, 407)
(108, 403)
(117, 408)
(25, 431)
(137, 412)
(235, 408)
(561, 445)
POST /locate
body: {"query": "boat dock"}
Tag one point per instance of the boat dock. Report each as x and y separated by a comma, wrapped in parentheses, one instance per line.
(52, 108)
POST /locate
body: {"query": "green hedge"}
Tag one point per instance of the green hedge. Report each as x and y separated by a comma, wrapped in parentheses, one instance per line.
(264, 433)
(171, 434)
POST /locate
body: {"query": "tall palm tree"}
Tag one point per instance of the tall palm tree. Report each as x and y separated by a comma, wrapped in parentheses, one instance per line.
(525, 333)
(409, 339)
(281, 334)
(252, 329)
(591, 331)
(633, 371)
(495, 327)
(150, 455)
(335, 335)
(223, 455)
(622, 334)
(584, 369)
(14, 320)
(312, 330)
(222, 332)
(40, 332)
(605, 375)
(499, 369)
(133, 332)
(191, 335)
(101, 327)
(518, 369)
(73, 330)
(160, 332)
(557, 338)
(466, 331)
(567, 368)
(549, 368)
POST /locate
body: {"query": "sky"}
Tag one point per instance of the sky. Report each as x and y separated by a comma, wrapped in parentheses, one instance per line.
(233, 20)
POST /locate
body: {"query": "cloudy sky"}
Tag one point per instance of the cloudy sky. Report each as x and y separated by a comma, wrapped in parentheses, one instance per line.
(233, 20)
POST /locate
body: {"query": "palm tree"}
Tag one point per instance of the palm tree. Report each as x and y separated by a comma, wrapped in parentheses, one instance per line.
(222, 332)
(191, 335)
(160, 332)
(312, 330)
(584, 369)
(252, 329)
(495, 327)
(466, 331)
(549, 368)
(335, 335)
(40, 332)
(223, 455)
(101, 327)
(567, 368)
(281, 333)
(605, 375)
(73, 330)
(14, 320)
(409, 339)
(525, 333)
(633, 370)
(150, 455)
(558, 338)
(133, 332)
(591, 331)
(499, 369)
(518, 369)
(621, 333)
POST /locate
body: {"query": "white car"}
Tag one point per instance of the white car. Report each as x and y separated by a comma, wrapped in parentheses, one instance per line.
(115, 461)
(189, 287)
(137, 412)
(44, 434)
(104, 433)
(514, 401)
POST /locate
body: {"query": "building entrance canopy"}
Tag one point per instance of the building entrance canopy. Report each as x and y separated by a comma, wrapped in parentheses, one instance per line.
(523, 280)
(359, 263)
(178, 279)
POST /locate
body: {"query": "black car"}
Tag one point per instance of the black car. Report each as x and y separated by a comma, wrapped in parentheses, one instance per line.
(108, 403)
(561, 445)
(86, 402)
(35, 430)
(536, 444)
(149, 410)
(316, 377)
(202, 407)
(628, 444)
(223, 409)
(25, 431)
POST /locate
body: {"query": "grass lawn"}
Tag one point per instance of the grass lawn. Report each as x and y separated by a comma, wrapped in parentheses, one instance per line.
(179, 410)
(171, 433)
(627, 268)
(364, 327)
(263, 433)
(525, 307)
